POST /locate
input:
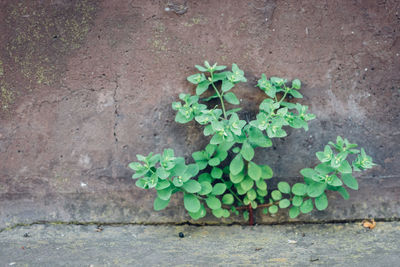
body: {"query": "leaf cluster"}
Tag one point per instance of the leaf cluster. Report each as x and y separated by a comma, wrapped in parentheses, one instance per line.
(224, 178)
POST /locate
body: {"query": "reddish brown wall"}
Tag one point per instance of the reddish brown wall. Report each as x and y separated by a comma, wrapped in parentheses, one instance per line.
(87, 85)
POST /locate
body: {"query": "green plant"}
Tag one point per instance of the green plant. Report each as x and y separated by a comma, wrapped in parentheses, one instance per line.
(224, 176)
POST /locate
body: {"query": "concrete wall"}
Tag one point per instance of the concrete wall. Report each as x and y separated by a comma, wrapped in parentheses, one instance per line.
(87, 85)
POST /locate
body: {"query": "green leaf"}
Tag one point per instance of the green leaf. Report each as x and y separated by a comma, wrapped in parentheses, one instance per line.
(200, 68)
(231, 98)
(284, 187)
(218, 189)
(266, 172)
(273, 209)
(206, 188)
(333, 180)
(309, 173)
(295, 94)
(204, 177)
(251, 194)
(296, 84)
(284, 203)
(219, 68)
(191, 203)
(162, 184)
(160, 204)
(265, 210)
(213, 202)
(162, 173)
(257, 138)
(261, 192)
(247, 151)
(202, 87)
(307, 206)
(136, 166)
(218, 212)
(294, 212)
(247, 184)
(165, 193)
(236, 178)
(350, 181)
(316, 189)
(246, 215)
(321, 202)
(200, 214)
(192, 186)
(261, 184)
(324, 168)
(254, 171)
(276, 195)
(236, 165)
(228, 199)
(297, 201)
(226, 86)
(196, 78)
(216, 173)
(345, 167)
(299, 189)
(343, 192)
(214, 162)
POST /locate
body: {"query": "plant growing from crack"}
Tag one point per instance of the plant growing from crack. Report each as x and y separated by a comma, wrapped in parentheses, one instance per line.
(224, 176)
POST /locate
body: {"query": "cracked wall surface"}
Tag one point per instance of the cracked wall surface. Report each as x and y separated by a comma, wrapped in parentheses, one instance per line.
(87, 85)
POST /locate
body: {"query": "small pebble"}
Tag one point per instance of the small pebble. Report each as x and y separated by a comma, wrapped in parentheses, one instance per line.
(181, 235)
(27, 235)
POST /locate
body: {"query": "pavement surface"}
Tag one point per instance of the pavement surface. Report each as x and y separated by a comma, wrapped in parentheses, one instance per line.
(85, 85)
(346, 244)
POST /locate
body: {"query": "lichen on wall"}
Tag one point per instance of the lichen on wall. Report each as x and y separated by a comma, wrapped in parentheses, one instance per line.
(41, 35)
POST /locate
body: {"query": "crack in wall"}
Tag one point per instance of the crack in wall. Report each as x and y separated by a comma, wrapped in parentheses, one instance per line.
(116, 107)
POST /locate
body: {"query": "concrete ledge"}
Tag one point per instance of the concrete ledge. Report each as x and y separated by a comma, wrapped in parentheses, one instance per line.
(347, 244)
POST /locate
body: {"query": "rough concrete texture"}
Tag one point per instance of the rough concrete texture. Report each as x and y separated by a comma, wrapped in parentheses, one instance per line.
(279, 245)
(87, 85)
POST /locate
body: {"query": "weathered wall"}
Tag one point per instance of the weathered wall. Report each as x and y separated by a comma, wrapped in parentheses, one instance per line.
(87, 85)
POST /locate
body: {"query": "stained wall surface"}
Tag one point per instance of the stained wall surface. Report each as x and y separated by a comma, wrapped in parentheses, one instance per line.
(87, 85)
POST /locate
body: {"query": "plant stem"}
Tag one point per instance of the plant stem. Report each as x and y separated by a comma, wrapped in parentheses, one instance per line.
(233, 193)
(283, 97)
(220, 97)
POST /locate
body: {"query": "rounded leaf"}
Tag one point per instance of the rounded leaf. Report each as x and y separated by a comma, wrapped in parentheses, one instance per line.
(299, 189)
(321, 202)
(266, 172)
(276, 195)
(307, 206)
(254, 171)
(216, 173)
(350, 181)
(213, 202)
(228, 199)
(206, 188)
(191, 203)
(294, 212)
(284, 187)
(218, 189)
(192, 186)
(273, 209)
(160, 204)
(236, 165)
(316, 189)
(284, 203)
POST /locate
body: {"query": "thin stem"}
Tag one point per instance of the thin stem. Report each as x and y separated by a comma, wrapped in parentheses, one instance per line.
(233, 193)
(219, 95)
(283, 97)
